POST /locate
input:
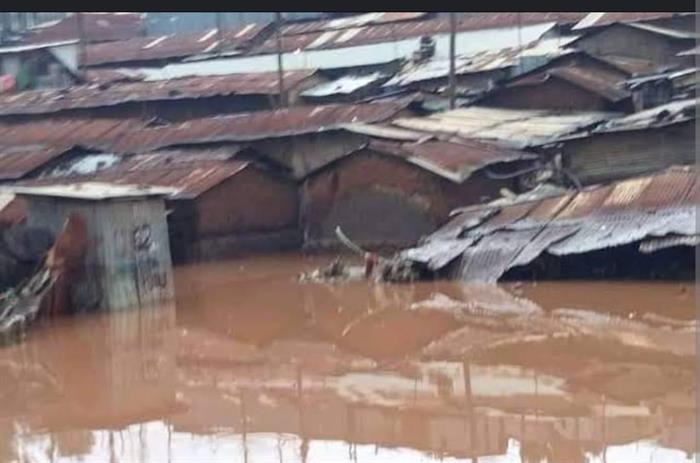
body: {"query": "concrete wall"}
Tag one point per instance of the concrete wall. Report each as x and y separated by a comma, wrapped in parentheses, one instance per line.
(634, 43)
(382, 200)
(618, 155)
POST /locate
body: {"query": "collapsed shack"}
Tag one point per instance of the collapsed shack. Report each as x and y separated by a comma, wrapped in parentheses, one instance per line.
(638, 228)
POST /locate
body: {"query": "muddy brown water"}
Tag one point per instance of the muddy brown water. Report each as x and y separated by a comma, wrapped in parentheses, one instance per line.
(250, 366)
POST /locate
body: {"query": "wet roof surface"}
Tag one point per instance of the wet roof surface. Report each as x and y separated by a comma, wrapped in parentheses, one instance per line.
(172, 46)
(598, 217)
(515, 127)
(95, 96)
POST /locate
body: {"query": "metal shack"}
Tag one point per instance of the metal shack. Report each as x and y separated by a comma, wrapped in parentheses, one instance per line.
(127, 262)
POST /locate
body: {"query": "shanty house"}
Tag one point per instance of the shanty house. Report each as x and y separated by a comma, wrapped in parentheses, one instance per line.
(219, 205)
(519, 128)
(390, 193)
(563, 88)
(96, 27)
(125, 263)
(157, 51)
(643, 227)
(637, 144)
(170, 100)
(637, 40)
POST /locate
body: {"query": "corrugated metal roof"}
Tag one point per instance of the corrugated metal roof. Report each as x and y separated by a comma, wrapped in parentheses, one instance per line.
(344, 85)
(455, 160)
(187, 179)
(92, 96)
(97, 27)
(599, 217)
(18, 161)
(257, 125)
(91, 133)
(439, 68)
(92, 191)
(186, 173)
(604, 19)
(659, 116)
(303, 27)
(514, 127)
(665, 31)
(37, 46)
(374, 33)
(171, 46)
(632, 66)
(592, 80)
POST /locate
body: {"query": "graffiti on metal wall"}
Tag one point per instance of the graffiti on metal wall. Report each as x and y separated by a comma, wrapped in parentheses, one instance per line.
(149, 271)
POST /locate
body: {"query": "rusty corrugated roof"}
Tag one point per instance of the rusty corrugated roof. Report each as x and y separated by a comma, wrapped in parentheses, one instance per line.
(304, 26)
(135, 135)
(601, 83)
(604, 19)
(189, 173)
(514, 127)
(376, 33)
(97, 27)
(91, 133)
(456, 159)
(92, 96)
(625, 212)
(18, 161)
(257, 125)
(171, 46)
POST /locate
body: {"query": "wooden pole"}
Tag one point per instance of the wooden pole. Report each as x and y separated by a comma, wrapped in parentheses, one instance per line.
(280, 71)
(82, 48)
(452, 80)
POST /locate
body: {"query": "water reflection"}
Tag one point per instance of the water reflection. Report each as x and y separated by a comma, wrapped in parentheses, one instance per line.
(261, 369)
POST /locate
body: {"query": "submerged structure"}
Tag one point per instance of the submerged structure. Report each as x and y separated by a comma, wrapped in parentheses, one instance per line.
(123, 260)
(643, 227)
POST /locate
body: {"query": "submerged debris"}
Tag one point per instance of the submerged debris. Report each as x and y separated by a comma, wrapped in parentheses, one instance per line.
(635, 217)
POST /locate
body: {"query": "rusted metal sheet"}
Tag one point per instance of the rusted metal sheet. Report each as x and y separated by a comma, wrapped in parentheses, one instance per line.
(18, 161)
(492, 254)
(630, 211)
(438, 253)
(456, 159)
(345, 85)
(187, 174)
(97, 27)
(375, 33)
(513, 127)
(304, 27)
(464, 64)
(172, 46)
(93, 96)
(604, 19)
(258, 125)
(137, 136)
(92, 133)
(600, 83)
(659, 116)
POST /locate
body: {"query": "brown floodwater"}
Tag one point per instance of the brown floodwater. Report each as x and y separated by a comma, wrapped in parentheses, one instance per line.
(248, 365)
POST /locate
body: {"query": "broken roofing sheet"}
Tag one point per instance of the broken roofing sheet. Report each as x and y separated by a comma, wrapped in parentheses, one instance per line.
(491, 239)
(518, 128)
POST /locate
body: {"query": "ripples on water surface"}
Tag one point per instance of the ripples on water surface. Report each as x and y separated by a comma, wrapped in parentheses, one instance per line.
(250, 366)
